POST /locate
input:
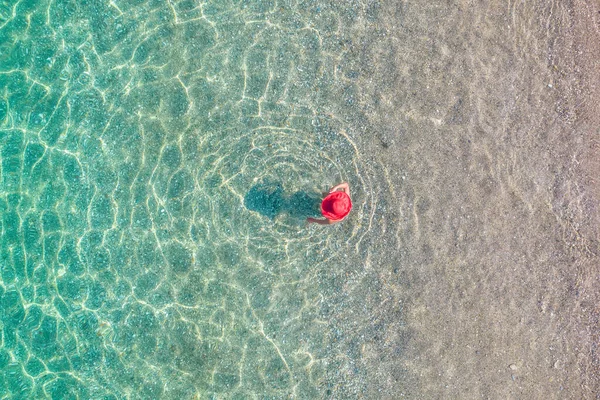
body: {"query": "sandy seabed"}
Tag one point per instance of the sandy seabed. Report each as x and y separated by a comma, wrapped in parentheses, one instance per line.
(488, 130)
(468, 132)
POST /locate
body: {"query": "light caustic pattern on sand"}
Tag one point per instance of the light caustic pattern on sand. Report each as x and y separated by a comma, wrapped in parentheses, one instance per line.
(130, 133)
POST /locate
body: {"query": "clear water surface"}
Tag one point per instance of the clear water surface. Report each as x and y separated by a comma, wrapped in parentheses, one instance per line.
(159, 159)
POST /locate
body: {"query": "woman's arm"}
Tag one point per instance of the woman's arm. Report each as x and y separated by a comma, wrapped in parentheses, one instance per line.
(344, 187)
(319, 221)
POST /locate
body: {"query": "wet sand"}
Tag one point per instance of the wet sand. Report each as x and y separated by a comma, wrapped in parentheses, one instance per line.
(489, 134)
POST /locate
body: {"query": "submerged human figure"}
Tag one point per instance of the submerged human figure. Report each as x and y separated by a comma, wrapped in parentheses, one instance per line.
(335, 206)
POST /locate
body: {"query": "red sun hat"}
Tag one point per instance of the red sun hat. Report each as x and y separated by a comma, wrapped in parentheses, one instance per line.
(336, 205)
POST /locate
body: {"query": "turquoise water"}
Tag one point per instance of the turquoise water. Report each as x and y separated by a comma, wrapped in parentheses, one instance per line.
(158, 159)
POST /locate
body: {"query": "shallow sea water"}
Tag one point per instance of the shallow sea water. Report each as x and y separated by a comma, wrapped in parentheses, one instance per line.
(159, 158)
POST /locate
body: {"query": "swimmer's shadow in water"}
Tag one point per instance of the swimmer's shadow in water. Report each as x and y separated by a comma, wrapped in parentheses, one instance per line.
(270, 200)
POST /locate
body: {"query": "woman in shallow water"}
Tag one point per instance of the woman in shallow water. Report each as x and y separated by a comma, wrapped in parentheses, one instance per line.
(335, 206)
